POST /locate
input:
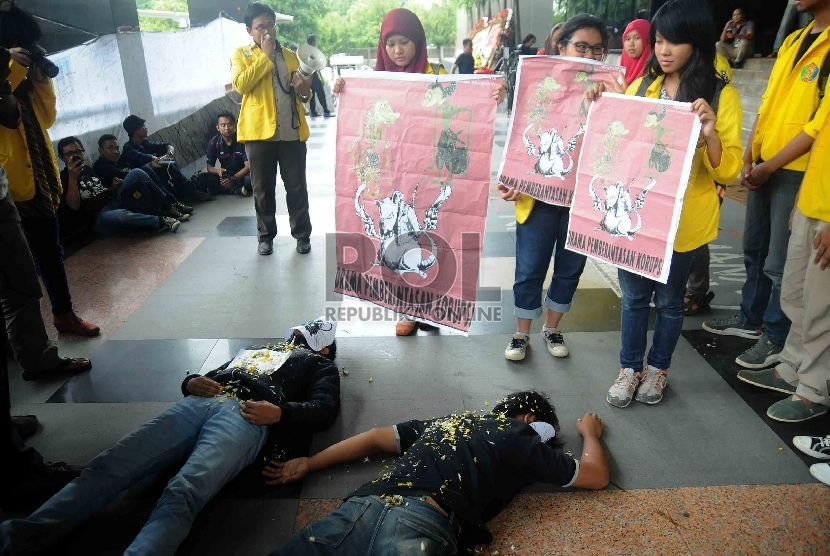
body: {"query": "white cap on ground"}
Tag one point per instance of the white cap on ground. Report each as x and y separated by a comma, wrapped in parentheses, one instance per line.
(545, 430)
(319, 333)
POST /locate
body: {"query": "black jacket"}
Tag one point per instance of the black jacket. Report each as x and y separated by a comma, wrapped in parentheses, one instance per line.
(306, 387)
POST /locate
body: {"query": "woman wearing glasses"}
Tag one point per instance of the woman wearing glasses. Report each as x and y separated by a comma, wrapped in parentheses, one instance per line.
(541, 229)
(682, 68)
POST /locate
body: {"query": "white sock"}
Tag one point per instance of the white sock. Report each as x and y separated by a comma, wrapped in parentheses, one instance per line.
(550, 330)
(523, 334)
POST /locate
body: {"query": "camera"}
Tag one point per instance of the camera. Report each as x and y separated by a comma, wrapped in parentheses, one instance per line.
(39, 60)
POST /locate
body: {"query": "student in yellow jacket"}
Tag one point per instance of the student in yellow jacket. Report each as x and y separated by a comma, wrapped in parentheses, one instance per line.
(684, 67)
(542, 229)
(402, 47)
(804, 367)
(273, 127)
(774, 163)
(34, 183)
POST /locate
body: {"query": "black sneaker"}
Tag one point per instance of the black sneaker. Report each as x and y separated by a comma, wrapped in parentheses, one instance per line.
(25, 425)
(182, 208)
(173, 212)
(816, 446)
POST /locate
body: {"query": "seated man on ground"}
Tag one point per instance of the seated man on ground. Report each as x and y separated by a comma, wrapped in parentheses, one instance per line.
(216, 431)
(110, 170)
(86, 204)
(234, 176)
(456, 473)
(138, 151)
(737, 40)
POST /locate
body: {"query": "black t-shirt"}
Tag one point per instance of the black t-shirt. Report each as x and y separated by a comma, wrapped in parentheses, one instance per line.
(94, 197)
(471, 464)
(465, 63)
(107, 170)
(232, 157)
(806, 43)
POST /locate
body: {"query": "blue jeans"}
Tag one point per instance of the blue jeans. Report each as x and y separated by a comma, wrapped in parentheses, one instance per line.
(668, 300)
(139, 193)
(213, 438)
(368, 526)
(111, 220)
(544, 230)
(766, 235)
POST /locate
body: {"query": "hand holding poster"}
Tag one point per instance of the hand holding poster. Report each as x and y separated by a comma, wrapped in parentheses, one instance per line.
(412, 180)
(633, 173)
(548, 122)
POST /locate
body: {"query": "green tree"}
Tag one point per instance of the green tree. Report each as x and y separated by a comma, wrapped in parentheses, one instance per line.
(439, 22)
(307, 14)
(151, 24)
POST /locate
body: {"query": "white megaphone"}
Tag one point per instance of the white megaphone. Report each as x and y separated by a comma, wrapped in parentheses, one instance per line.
(311, 60)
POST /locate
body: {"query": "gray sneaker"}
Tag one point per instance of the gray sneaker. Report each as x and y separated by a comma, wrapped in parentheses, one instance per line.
(732, 326)
(760, 356)
(766, 379)
(517, 348)
(622, 392)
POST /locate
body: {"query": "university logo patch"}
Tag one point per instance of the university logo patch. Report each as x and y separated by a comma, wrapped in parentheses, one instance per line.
(809, 72)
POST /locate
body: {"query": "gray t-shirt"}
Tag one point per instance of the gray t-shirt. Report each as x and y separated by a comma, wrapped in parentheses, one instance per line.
(4, 183)
(280, 78)
(743, 30)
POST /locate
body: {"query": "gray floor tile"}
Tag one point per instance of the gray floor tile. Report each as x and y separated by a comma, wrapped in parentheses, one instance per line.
(179, 317)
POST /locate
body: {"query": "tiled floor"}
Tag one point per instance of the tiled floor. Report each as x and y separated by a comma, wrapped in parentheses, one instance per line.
(703, 472)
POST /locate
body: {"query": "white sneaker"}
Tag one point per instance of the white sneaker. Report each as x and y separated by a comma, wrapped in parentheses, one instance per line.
(816, 446)
(517, 348)
(821, 471)
(556, 344)
(651, 388)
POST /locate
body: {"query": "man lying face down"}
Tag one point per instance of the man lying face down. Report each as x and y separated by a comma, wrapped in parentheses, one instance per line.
(216, 430)
(455, 474)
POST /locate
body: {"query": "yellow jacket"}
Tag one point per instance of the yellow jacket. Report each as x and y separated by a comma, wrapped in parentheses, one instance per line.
(791, 98)
(814, 200)
(14, 154)
(252, 79)
(701, 207)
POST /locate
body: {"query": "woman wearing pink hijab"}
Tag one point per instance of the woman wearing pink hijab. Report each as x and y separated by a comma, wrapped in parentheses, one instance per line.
(636, 49)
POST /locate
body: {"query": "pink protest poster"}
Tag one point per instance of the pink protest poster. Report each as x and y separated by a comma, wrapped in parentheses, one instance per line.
(547, 125)
(632, 176)
(412, 179)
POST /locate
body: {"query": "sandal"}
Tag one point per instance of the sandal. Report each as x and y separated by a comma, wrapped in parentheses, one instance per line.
(67, 367)
(697, 305)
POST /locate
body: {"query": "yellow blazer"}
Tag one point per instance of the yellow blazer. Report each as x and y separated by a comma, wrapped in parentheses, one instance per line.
(252, 79)
(814, 200)
(14, 154)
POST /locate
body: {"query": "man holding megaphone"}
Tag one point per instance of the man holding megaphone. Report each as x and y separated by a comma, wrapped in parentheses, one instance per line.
(273, 127)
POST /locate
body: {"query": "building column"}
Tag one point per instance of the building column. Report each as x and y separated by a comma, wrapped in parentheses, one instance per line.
(133, 63)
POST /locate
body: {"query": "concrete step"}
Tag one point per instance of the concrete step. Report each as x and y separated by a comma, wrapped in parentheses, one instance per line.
(750, 89)
(751, 104)
(750, 76)
(758, 64)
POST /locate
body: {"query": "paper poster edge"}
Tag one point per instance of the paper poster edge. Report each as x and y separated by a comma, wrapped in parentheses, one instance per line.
(418, 319)
(418, 77)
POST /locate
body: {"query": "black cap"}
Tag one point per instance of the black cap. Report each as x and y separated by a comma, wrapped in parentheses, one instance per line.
(132, 123)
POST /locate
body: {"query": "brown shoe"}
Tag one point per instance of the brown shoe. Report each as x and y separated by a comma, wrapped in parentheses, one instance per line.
(70, 323)
(406, 327)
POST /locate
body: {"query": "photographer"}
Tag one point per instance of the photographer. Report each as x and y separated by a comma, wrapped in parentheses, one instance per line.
(31, 166)
(736, 42)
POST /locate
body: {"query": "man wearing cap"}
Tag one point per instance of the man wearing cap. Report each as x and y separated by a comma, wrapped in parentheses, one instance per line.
(455, 474)
(138, 151)
(216, 430)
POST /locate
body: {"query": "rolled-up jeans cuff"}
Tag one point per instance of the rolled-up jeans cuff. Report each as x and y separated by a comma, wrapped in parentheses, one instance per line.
(558, 307)
(531, 314)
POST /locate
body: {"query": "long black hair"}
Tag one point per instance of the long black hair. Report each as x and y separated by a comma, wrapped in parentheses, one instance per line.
(581, 21)
(687, 22)
(535, 403)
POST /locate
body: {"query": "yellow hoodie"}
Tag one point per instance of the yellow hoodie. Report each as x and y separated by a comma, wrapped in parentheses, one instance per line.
(791, 98)
(252, 79)
(814, 200)
(14, 153)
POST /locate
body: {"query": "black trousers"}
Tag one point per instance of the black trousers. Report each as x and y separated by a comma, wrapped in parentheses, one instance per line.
(43, 237)
(319, 93)
(290, 157)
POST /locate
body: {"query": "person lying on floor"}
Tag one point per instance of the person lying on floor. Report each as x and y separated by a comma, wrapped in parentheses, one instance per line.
(134, 203)
(455, 474)
(216, 431)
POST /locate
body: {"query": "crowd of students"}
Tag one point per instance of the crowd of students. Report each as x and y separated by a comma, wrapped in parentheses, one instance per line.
(456, 473)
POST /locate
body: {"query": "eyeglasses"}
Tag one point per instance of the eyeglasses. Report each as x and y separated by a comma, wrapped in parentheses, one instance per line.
(264, 27)
(583, 47)
(73, 153)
